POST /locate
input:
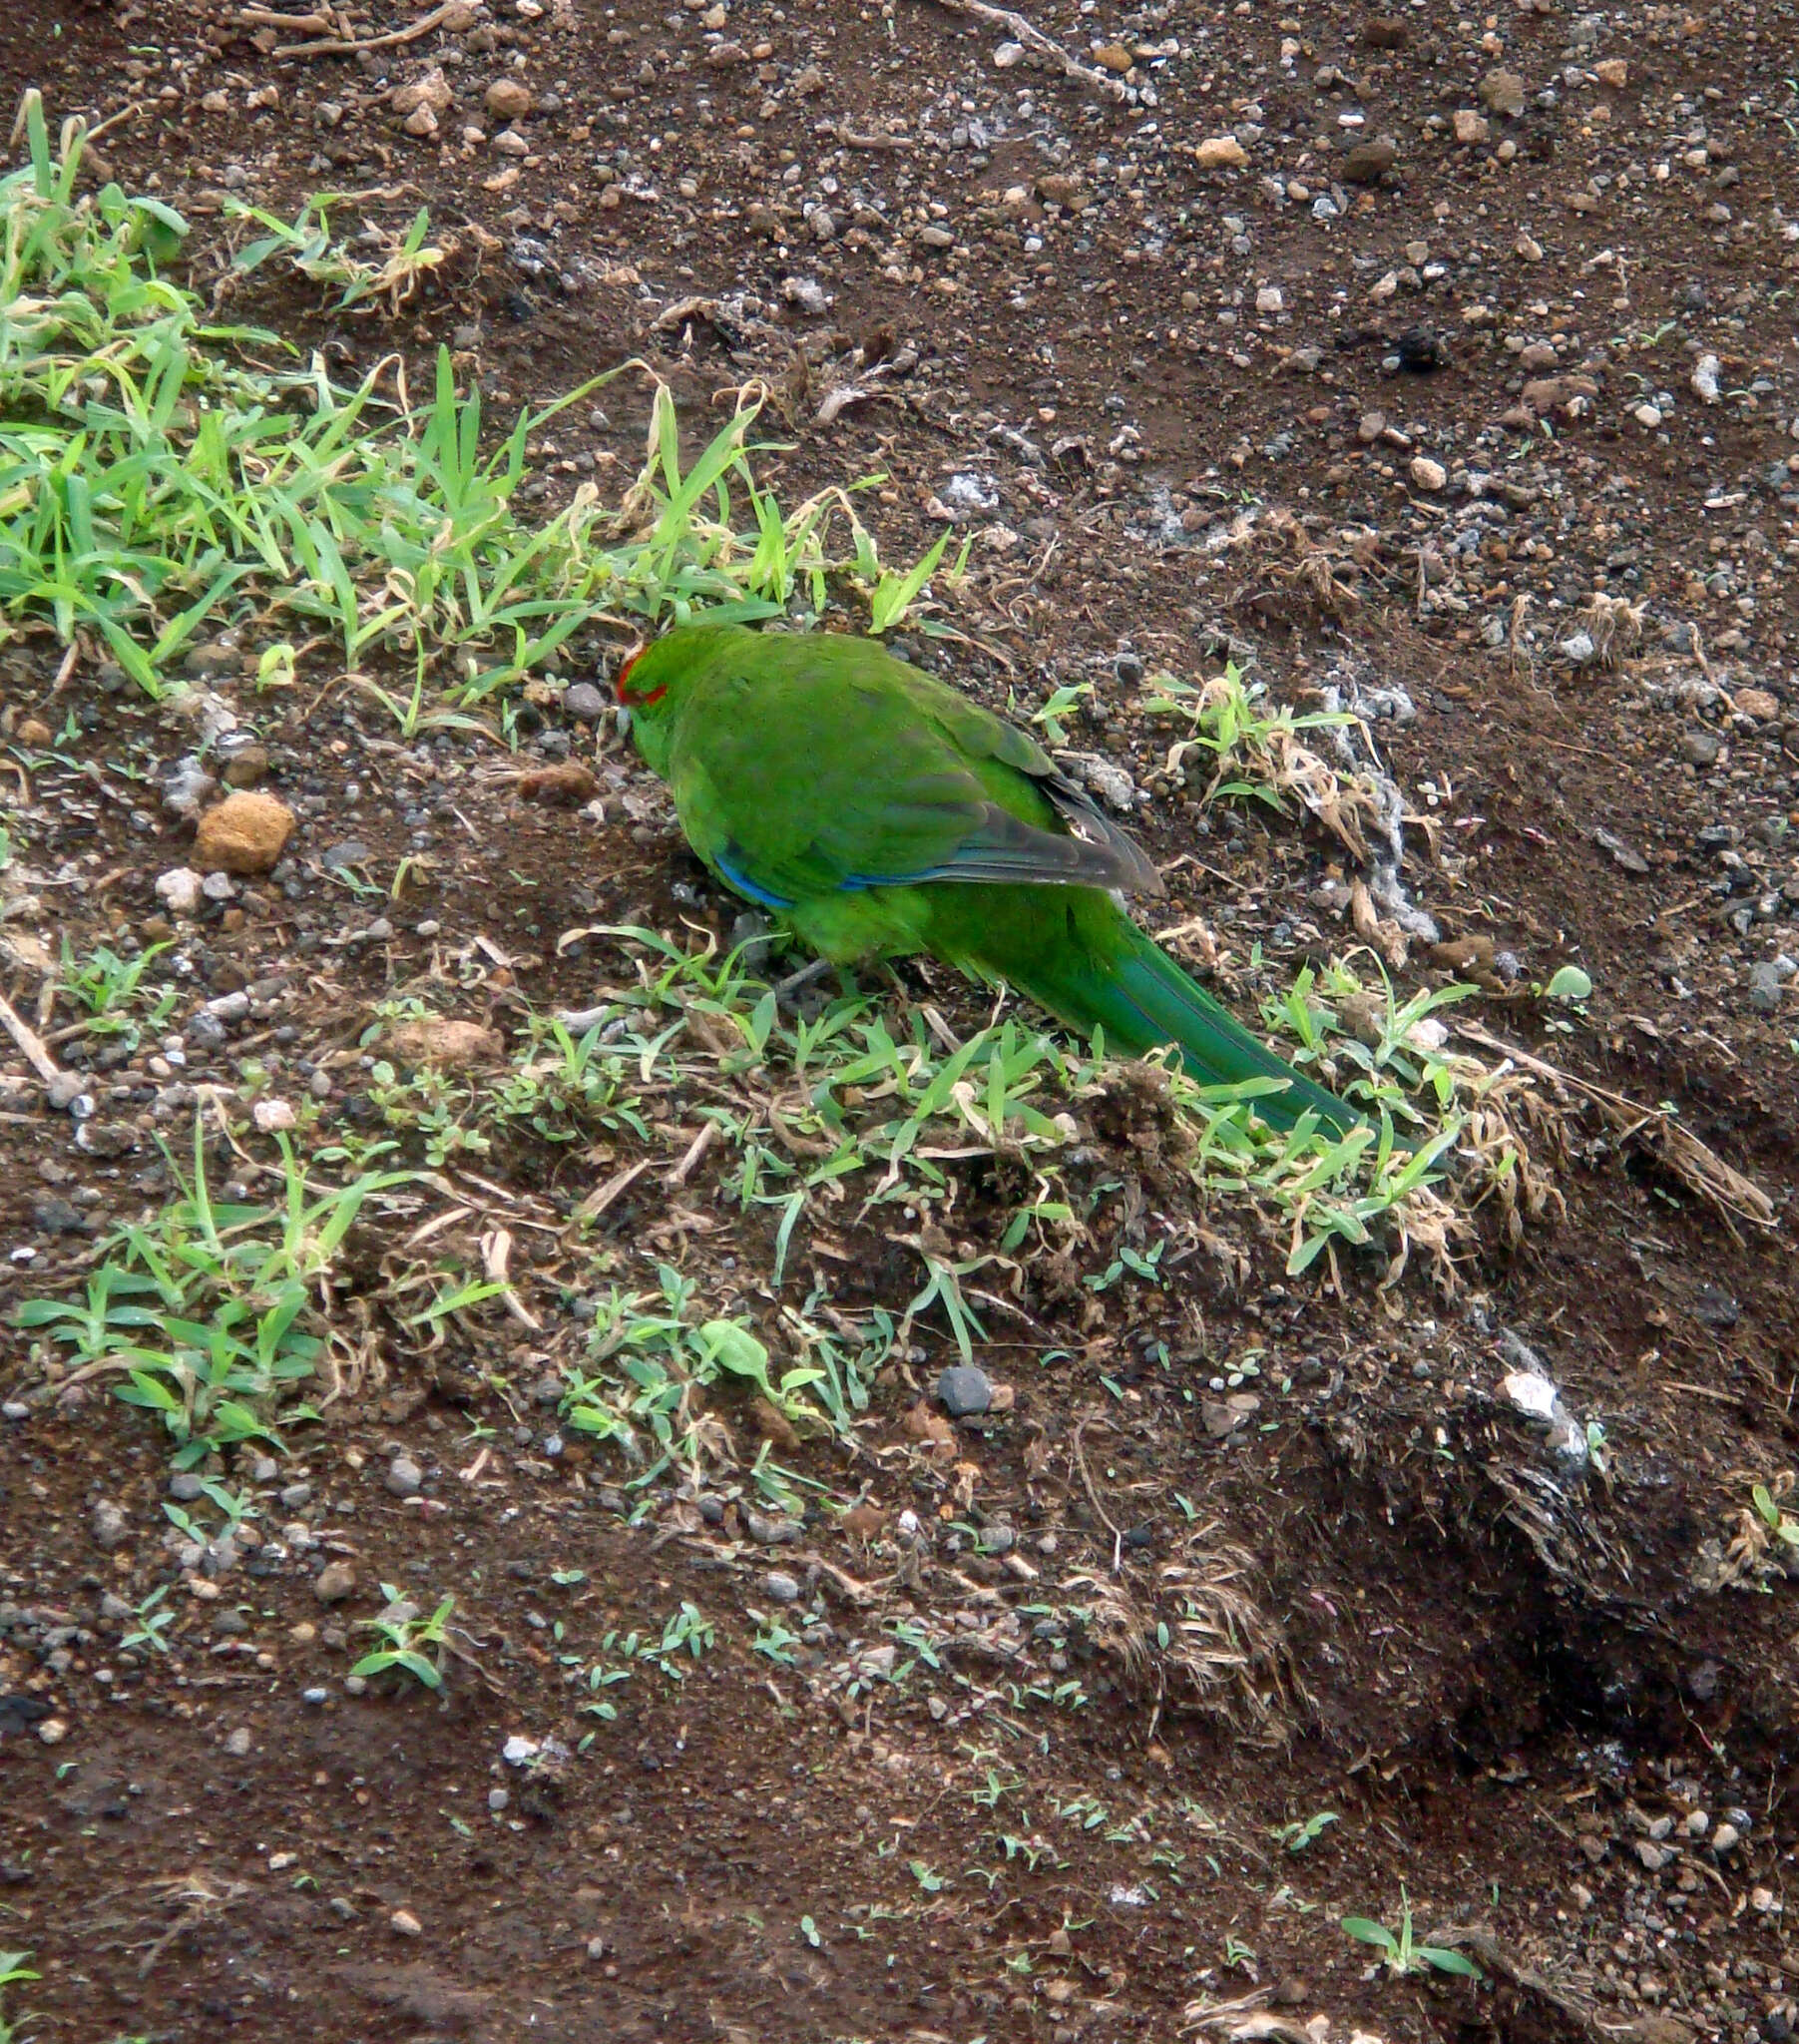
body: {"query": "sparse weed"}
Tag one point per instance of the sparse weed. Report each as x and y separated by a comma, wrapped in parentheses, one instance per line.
(150, 1621)
(208, 1311)
(1769, 1509)
(1760, 1531)
(105, 987)
(651, 1360)
(859, 1095)
(307, 244)
(1303, 1833)
(776, 1643)
(14, 1968)
(688, 1634)
(1398, 1952)
(1258, 754)
(411, 1642)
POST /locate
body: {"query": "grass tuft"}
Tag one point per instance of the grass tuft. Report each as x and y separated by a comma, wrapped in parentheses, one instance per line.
(162, 475)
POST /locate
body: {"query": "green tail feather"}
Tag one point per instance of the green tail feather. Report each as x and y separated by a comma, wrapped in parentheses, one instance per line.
(1141, 999)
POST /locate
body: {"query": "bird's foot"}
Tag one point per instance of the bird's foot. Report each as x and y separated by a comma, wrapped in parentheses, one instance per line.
(808, 975)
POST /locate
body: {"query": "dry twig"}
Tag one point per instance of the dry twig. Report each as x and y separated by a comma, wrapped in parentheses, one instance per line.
(28, 1042)
(1016, 26)
(454, 15)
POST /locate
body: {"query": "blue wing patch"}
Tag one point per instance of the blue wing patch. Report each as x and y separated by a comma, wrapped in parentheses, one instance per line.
(745, 885)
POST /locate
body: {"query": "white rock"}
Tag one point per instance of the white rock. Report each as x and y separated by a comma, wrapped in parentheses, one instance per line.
(1428, 475)
(273, 1116)
(180, 891)
(1007, 55)
(1647, 415)
(1533, 1395)
(1269, 299)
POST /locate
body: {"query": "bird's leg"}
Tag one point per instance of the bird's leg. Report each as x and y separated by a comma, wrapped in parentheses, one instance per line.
(808, 975)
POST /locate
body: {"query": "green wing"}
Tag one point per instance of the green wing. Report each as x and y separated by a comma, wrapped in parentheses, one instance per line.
(809, 767)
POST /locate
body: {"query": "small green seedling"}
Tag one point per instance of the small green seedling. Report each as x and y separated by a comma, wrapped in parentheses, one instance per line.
(417, 1645)
(1400, 1955)
(1303, 1832)
(151, 1621)
(1570, 984)
(1781, 1524)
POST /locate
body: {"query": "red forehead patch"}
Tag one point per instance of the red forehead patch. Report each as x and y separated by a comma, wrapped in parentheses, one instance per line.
(623, 676)
(623, 683)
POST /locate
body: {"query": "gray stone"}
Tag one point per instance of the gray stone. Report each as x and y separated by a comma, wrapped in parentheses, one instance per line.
(780, 1587)
(55, 1216)
(65, 1090)
(964, 1392)
(334, 1582)
(186, 1486)
(112, 1529)
(1700, 747)
(351, 852)
(404, 1476)
(1765, 986)
(751, 931)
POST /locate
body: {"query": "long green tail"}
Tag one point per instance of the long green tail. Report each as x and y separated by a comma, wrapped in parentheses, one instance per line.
(1104, 972)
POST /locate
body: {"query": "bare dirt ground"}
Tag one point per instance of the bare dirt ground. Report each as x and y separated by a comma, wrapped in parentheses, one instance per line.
(1445, 357)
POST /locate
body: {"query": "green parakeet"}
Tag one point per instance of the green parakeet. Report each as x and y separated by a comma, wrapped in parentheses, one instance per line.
(878, 814)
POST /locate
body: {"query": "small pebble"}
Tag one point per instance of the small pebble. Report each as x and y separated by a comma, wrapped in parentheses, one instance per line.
(334, 1582)
(964, 1392)
(404, 1476)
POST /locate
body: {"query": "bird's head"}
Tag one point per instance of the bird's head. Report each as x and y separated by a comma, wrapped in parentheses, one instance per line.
(642, 689)
(629, 692)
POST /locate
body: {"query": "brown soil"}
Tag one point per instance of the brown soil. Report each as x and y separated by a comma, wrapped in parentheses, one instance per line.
(1502, 1677)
